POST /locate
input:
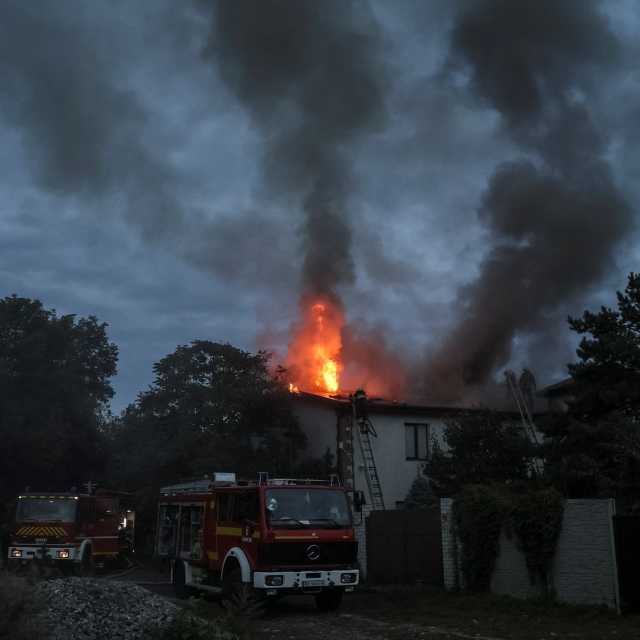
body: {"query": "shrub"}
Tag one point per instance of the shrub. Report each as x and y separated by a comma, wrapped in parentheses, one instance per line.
(537, 519)
(187, 625)
(479, 512)
(534, 515)
(421, 495)
(17, 606)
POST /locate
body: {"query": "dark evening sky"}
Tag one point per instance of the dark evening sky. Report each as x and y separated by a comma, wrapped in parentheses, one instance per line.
(469, 171)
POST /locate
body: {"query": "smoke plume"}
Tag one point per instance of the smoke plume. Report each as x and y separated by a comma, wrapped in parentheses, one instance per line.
(308, 73)
(555, 215)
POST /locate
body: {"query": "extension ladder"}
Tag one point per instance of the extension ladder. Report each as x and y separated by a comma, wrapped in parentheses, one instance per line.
(364, 430)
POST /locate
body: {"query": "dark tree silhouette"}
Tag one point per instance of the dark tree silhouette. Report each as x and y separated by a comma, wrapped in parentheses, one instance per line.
(480, 447)
(54, 386)
(211, 407)
(593, 450)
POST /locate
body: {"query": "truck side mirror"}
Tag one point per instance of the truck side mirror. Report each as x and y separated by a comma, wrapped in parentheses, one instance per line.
(358, 501)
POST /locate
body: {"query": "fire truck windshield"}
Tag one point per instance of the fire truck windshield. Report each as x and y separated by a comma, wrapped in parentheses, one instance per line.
(317, 508)
(46, 510)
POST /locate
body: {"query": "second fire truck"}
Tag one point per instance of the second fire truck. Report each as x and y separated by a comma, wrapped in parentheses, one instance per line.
(72, 530)
(259, 539)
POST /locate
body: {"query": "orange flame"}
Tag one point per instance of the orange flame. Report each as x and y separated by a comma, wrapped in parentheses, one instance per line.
(313, 359)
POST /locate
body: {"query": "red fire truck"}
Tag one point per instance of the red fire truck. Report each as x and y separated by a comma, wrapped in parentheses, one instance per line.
(74, 530)
(259, 539)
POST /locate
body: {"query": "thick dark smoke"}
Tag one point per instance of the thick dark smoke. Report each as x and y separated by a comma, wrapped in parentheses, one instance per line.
(555, 216)
(65, 84)
(309, 73)
(82, 127)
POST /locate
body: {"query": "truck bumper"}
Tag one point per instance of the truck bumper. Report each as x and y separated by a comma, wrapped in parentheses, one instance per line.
(25, 553)
(305, 581)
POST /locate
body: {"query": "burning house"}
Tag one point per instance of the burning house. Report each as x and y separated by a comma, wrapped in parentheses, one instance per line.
(379, 449)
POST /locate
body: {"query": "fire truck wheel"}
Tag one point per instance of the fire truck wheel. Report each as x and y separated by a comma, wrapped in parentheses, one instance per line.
(179, 580)
(240, 597)
(86, 568)
(329, 600)
(13, 566)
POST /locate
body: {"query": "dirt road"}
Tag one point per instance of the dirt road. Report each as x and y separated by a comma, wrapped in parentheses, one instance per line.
(297, 619)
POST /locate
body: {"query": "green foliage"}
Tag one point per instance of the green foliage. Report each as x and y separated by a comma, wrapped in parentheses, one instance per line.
(594, 449)
(480, 448)
(479, 512)
(17, 608)
(54, 376)
(597, 458)
(421, 495)
(212, 407)
(608, 371)
(536, 519)
(188, 626)
(13, 596)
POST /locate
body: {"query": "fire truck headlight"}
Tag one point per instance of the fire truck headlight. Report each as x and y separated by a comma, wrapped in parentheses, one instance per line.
(274, 581)
(63, 554)
(16, 553)
(348, 578)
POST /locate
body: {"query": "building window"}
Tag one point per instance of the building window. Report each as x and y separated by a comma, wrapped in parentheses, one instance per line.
(416, 438)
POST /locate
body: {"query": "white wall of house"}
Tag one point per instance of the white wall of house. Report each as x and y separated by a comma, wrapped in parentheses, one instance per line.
(394, 457)
(396, 468)
(398, 461)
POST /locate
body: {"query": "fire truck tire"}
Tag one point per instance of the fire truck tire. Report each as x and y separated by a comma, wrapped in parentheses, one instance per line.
(86, 568)
(240, 597)
(13, 566)
(329, 600)
(179, 581)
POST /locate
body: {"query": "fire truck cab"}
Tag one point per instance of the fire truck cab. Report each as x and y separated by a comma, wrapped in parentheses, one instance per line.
(72, 530)
(268, 538)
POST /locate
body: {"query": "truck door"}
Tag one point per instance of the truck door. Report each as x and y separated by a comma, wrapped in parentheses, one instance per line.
(191, 532)
(167, 530)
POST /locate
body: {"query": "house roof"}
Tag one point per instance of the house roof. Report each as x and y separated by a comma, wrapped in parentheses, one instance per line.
(380, 405)
(562, 388)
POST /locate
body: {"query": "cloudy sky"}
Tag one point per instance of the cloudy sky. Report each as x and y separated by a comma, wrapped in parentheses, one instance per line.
(181, 171)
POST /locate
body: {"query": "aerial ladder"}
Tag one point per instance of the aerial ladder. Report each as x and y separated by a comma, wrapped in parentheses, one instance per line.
(365, 430)
(522, 393)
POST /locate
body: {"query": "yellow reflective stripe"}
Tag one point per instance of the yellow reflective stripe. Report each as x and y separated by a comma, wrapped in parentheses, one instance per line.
(41, 531)
(229, 531)
(212, 555)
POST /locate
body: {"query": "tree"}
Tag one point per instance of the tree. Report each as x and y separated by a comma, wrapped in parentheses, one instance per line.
(54, 386)
(481, 447)
(593, 450)
(608, 371)
(420, 495)
(211, 407)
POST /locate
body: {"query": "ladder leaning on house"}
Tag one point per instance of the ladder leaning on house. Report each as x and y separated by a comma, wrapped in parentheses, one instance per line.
(370, 469)
(526, 417)
(364, 428)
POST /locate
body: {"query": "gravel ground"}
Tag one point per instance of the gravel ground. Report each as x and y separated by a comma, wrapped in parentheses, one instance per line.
(297, 619)
(93, 609)
(350, 627)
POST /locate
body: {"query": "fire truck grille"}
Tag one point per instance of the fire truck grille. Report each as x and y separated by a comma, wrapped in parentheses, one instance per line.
(52, 532)
(292, 553)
